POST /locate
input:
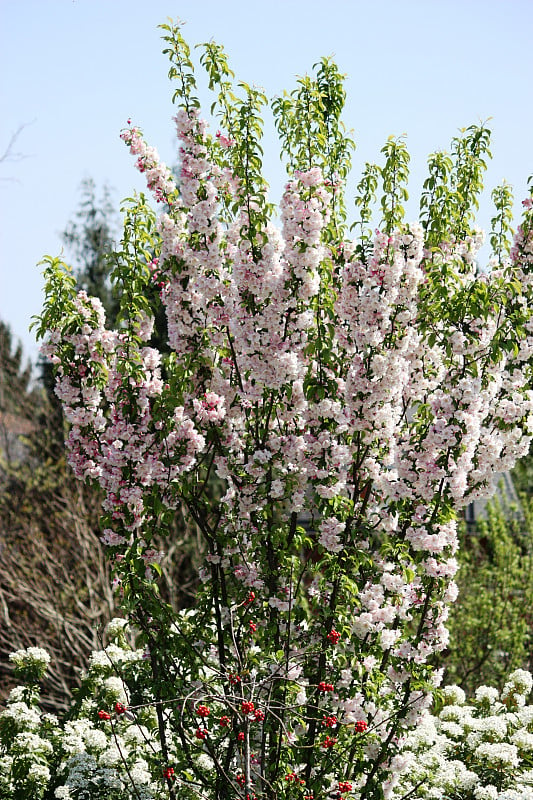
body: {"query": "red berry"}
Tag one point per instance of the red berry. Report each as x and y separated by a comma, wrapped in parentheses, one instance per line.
(333, 636)
(120, 708)
(203, 711)
(240, 736)
(247, 707)
(104, 715)
(224, 721)
(328, 742)
(361, 726)
(201, 733)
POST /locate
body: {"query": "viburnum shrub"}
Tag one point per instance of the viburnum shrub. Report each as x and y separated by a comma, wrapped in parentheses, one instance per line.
(99, 751)
(479, 750)
(328, 407)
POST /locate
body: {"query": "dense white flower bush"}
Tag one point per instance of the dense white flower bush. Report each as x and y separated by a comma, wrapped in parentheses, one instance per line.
(480, 749)
(100, 750)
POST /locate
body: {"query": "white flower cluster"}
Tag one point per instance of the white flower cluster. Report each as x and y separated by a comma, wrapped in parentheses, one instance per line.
(32, 662)
(99, 753)
(480, 750)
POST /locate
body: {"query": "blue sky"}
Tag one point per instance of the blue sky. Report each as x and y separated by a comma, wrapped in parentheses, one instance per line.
(73, 71)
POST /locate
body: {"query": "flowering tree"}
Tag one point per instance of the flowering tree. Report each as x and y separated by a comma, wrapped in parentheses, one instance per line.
(327, 408)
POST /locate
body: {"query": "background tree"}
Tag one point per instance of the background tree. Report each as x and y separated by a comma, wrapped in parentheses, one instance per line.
(491, 622)
(90, 238)
(9, 154)
(19, 399)
(91, 241)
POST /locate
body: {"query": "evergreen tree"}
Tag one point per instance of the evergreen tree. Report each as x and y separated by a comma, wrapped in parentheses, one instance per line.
(90, 239)
(19, 400)
(16, 395)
